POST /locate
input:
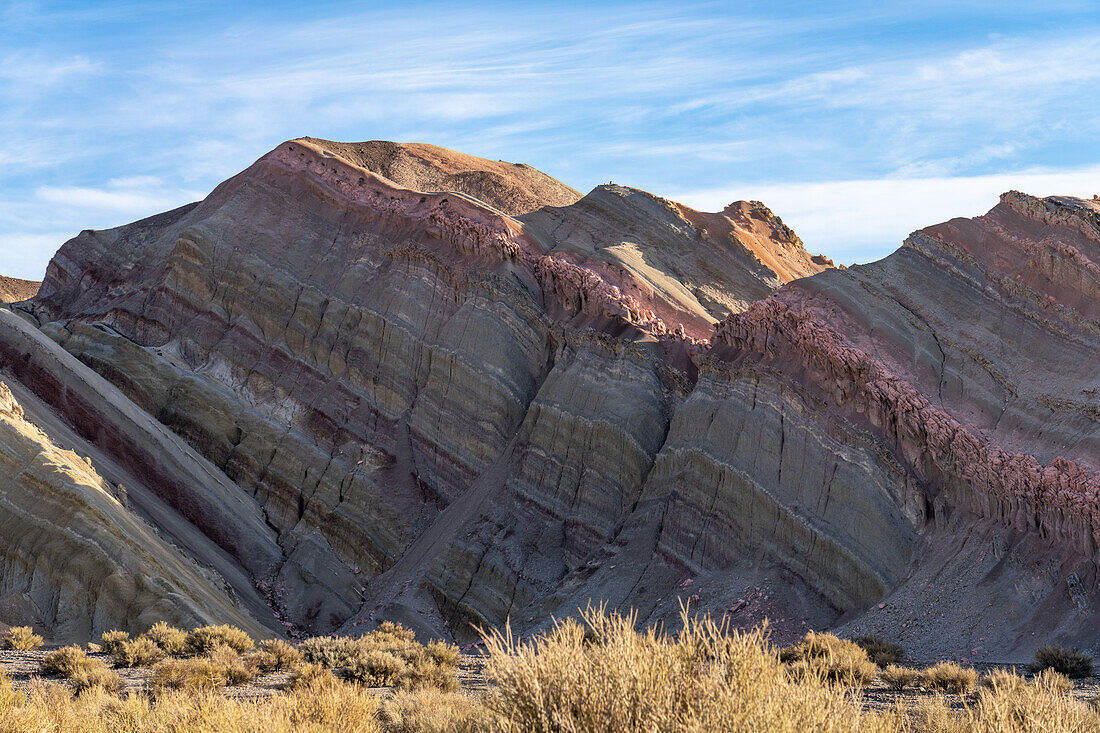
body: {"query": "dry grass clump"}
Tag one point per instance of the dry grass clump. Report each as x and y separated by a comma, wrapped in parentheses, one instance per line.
(898, 678)
(881, 652)
(20, 638)
(949, 677)
(1070, 662)
(1053, 682)
(170, 639)
(1003, 680)
(82, 671)
(208, 638)
(195, 675)
(275, 655)
(110, 641)
(236, 670)
(825, 656)
(308, 674)
(322, 708)
(388, 656)
(331, 652)
(619, 679)
(428, 710)
(63, 662)
(1009, 707)
(140, 652)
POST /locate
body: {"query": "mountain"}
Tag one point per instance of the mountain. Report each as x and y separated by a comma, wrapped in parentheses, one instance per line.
(376, 394)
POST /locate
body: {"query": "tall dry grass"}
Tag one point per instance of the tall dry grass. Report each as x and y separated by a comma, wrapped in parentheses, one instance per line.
(595, 674)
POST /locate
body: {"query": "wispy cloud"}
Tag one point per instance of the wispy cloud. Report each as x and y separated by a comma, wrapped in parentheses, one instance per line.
(112, 109)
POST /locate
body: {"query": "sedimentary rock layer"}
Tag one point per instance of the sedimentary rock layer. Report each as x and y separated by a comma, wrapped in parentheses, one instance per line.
(74, 560)
(451, 416)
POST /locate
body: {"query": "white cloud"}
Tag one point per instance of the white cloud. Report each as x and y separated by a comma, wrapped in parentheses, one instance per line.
(119, 198)
(863, 220)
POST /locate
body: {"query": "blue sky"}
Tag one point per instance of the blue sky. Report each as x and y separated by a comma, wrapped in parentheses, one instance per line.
(855, 121)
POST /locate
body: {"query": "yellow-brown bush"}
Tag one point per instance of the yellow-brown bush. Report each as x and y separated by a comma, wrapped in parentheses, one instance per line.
(170, 639)
(430, 710)
(1053, 682)
(898, 678)
(701, 680)
(64, 661)
(828, 657)
(949, 677)
(376, 668)
(109, 641)
(1002, 680)
(20, 638)
(207, 638)
(275, 655)
(194, 675)
(331, 652)
(308, 674)
(881, 652)
(140, 652)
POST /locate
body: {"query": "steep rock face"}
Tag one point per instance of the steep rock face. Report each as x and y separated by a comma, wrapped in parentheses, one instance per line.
(360, 358)
(74, 560)
(448, 415)
(513, 188)
(12, 289)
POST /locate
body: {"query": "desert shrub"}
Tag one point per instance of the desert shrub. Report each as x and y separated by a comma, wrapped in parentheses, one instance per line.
(881, 652)
(1070, 662)
(828, 657)
(65, 661)
(429, 710)
(1002, 680)
(898, 678)
(308, 674)
(140, 652)
(949, 677)
(110, 641)
(328, 651)
(207, 638)
(20, 638)
(376, 668)
(393, 630)
(194, 675)
(1053, 682)
(235, 669)
(275, 655)
(434, 665)
(705, 678)
(170, 639)
(83, 671)
(95, 675)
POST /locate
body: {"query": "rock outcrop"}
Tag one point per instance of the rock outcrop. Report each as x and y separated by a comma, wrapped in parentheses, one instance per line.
(75, 560)
(438, 412)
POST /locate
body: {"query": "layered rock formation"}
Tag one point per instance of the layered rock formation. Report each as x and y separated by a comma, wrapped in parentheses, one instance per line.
(437, 412)
(75, 560)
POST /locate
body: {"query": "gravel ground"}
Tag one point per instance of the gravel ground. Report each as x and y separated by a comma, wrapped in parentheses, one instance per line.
(23, 668)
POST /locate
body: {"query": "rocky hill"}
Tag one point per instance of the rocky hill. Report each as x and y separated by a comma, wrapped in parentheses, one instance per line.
(408, 403)
(13, 289)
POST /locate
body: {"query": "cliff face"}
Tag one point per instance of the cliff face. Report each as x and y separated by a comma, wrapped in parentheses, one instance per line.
(75, 560)
(435, 412)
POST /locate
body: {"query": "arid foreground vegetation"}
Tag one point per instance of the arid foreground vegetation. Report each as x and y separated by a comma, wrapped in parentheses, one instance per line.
(598, 674)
